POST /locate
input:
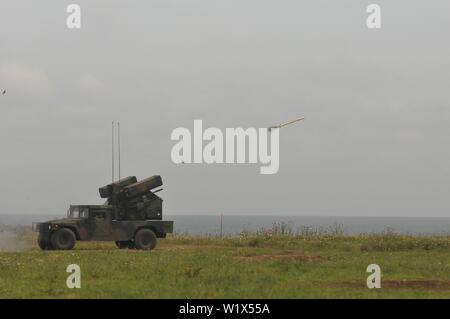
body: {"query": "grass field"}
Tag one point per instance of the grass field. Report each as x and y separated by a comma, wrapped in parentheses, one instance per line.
(308, 265)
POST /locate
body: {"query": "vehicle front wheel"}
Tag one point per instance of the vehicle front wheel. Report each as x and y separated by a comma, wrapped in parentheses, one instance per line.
(63, 239)
(145, 239)
(44, 241)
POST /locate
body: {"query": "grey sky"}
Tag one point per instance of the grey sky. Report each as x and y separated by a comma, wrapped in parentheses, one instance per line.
(374, 142)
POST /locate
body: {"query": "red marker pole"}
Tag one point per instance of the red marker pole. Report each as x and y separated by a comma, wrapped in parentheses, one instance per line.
(221, 224)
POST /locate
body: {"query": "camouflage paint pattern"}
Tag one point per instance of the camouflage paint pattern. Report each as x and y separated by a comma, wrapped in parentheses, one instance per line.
(100, 225)
(120, 218)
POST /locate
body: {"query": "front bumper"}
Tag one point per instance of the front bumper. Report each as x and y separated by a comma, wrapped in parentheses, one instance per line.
(41, 227)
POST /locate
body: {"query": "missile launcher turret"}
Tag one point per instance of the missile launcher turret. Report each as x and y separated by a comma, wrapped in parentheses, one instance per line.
(134, 200)
(142, 187)
(113, 188)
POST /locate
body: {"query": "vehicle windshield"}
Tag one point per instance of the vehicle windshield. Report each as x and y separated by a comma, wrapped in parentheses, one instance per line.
(77, 212)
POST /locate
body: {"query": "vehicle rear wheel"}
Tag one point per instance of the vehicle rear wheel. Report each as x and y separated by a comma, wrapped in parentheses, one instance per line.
(124, 244)
(63, 239)
(145, 239)
(44, 241)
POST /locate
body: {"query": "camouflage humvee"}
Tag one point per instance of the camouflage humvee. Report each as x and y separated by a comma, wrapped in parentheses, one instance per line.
(131, 217)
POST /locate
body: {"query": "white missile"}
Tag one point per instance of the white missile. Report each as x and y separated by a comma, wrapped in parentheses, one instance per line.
(287, 123)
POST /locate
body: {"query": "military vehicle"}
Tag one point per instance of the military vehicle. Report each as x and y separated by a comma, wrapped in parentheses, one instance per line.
(131, 216)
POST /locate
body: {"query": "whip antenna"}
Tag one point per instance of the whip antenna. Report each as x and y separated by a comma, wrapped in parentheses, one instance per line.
(118, 143)
(112, 151)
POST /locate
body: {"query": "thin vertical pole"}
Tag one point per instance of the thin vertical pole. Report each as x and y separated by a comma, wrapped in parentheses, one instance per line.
(118, 143)
(112, 152)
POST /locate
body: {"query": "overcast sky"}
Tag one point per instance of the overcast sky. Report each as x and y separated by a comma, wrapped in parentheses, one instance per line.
(375, 141)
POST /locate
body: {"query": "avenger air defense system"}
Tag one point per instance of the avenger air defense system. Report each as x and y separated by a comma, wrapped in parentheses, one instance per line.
(131, 216)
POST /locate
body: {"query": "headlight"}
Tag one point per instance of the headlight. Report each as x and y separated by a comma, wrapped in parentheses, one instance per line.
(36, 227)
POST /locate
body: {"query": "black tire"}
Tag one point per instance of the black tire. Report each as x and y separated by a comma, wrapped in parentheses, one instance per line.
(63, 239)
(125, 244)
(145, 239)
(44, 241)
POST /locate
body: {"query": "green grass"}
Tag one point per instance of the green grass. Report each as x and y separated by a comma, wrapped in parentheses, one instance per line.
(182, 266)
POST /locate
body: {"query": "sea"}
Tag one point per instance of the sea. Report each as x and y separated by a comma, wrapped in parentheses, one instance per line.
(212, 225)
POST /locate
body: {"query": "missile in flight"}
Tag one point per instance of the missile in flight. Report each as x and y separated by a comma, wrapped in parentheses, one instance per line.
(284, 124)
